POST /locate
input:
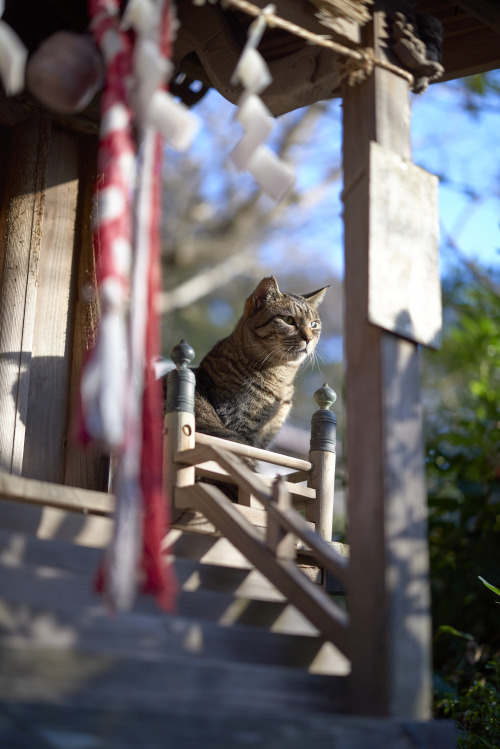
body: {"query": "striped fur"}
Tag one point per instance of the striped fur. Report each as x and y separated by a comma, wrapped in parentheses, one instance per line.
(244, 385)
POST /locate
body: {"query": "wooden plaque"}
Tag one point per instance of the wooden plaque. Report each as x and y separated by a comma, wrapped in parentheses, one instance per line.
(404, 290)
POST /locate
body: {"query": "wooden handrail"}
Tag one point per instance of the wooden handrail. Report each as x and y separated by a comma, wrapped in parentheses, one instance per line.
(252, 482)
(309, 598)
(247, 451)
(32, 491)
(201, 458)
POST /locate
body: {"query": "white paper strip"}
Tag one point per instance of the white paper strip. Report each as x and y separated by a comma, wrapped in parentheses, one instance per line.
(173, 120)
(275, 177)
(13, 56)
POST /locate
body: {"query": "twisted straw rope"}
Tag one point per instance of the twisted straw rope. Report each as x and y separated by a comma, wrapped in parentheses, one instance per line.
(360, 60)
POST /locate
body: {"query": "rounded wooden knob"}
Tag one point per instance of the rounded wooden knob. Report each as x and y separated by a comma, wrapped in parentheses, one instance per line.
(182, 354)
(325, 397)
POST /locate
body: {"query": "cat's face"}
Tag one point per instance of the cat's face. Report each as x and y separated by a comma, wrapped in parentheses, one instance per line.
(281, 328)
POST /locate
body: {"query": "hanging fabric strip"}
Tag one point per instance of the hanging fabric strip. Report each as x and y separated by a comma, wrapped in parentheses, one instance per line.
(120, 398)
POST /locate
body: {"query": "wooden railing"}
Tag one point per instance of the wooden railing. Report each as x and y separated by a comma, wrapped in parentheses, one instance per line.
(264, 524)
(316, 498)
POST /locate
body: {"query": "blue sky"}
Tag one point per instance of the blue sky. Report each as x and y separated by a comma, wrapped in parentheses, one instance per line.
(460, 146)
(463, 149)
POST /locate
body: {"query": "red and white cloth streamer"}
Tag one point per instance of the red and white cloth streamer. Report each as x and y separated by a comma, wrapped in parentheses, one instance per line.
(121, 400)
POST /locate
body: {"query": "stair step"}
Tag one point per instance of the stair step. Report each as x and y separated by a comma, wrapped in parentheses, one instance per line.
(49, 602)
(161, 636)
(61, 592)
(106, 727)
(75, 676)
(17, 549)
(52, 523)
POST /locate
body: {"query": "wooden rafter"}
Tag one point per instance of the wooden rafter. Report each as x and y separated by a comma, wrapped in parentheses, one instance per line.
(486, 11)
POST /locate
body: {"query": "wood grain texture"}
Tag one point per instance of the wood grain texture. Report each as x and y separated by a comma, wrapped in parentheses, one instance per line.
(21, 221)
(49, 393)
(88, 469)
(389, 595)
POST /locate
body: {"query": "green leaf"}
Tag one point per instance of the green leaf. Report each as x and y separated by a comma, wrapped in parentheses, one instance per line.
(447, 629)
(488, 585)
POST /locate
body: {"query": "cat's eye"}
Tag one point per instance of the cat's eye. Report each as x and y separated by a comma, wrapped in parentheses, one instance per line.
(313, 324)
(288, 319)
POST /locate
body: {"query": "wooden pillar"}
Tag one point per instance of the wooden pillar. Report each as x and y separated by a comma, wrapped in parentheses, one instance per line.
(179, 427)
(45, 259)
(388, 582)
(21, 220)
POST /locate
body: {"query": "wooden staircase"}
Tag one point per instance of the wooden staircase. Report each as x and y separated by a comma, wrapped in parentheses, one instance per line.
(257, 652)
(235, 666)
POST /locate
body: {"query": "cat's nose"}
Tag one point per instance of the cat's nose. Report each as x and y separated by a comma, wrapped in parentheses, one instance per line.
(306, 335)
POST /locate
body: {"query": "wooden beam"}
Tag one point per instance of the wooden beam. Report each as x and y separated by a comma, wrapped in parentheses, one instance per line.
(469, 46)
(43, 493)
(388, 572)
(475, 51)
(487, 11)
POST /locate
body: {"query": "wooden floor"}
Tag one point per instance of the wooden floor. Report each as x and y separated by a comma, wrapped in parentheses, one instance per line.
(234, 666)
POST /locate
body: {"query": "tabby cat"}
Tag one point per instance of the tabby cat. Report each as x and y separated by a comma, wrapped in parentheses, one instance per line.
(244, 385)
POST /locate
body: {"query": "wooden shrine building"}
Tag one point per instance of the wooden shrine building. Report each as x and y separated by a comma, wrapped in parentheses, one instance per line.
(258, 652)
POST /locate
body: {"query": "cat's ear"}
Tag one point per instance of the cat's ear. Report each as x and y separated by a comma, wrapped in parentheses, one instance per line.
(266, 291)
(315, 297)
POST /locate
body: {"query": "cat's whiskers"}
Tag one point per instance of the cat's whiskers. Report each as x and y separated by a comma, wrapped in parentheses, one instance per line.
(285, 353)
(315, 360)
(268, 356)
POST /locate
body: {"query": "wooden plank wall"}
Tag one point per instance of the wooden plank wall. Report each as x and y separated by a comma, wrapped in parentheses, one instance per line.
(45, 323)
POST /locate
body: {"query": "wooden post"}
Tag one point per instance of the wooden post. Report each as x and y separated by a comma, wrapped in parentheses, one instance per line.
(323, 458)
(45, 205)
(280, 541)
(179, 427)
(21, 221)
(388, 583)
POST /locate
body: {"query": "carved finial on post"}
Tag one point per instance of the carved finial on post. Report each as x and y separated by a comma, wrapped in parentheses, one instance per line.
(179, 428)
(324, 422)
(181, 381)
(182, 354)
(325, 397)
(322, 456)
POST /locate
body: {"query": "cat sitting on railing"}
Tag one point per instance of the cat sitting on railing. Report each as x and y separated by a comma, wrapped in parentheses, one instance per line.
(244, 385)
